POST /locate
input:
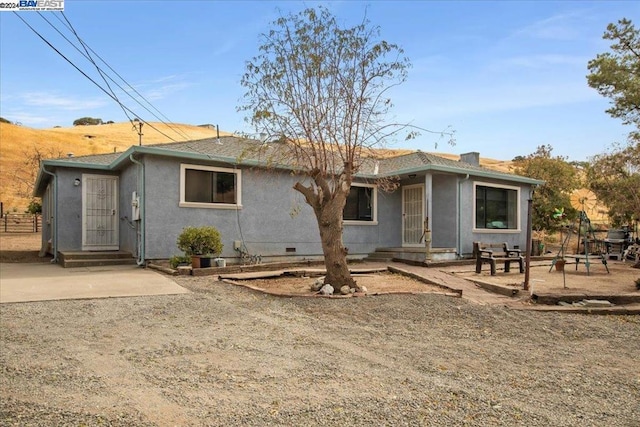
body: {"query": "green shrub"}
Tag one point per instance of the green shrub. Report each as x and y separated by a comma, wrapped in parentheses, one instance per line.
(203, 240)
(176, 260)
(34, 207)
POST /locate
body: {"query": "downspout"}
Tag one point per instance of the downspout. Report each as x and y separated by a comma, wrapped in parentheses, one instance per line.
(141, 191)
(459, 244)
(54, 232)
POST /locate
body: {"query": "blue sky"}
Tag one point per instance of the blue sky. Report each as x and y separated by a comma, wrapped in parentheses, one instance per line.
(507, 76)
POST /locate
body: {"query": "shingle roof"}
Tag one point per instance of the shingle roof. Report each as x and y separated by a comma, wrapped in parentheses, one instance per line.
(232, 149)
(94, 159)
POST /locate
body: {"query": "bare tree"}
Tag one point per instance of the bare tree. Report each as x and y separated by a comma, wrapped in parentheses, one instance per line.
(25, 176)
(322, 90)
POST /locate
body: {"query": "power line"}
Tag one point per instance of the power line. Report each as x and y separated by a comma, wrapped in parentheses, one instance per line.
(96, 65)
(90, 79)
(168, 122)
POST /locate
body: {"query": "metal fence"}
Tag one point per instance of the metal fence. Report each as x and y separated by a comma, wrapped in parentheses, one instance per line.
(21, 223)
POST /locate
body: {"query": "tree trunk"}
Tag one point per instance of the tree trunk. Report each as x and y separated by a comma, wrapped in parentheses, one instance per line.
(328, 203)
(335, 254)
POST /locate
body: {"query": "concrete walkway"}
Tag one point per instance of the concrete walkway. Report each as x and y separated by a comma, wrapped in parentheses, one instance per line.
(474, 293)
(470, 291)
(43, 282)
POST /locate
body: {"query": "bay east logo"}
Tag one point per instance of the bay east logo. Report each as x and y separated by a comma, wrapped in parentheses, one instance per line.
(41, 3)
(32, 5)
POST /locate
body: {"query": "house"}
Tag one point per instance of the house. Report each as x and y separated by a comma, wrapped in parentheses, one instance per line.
(138, 202)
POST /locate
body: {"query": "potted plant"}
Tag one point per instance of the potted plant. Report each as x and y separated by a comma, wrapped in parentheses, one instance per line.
(201, 244)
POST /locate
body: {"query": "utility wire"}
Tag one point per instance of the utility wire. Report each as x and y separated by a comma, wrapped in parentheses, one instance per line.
(90, 79)
(168, 121)
(73, 30)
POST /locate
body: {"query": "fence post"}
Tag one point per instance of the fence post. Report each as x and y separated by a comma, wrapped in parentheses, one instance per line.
(5, 222)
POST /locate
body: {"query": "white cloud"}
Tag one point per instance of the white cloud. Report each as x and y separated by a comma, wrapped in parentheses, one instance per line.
(63, 102)
(562, 27)
(539, 61)
(162, 87)
(452, 102)
(29, 119)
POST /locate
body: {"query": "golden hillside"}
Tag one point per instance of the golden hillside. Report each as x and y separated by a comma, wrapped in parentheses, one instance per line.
(19, 146)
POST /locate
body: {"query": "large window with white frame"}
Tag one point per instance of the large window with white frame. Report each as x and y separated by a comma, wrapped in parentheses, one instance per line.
(496, 207)
(209, 187)
(361, 206)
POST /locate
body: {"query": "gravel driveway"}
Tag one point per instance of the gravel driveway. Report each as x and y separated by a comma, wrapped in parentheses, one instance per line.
(224, 356)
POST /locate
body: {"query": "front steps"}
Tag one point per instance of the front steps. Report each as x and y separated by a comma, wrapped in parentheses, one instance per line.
(411, 254)
(94, 259)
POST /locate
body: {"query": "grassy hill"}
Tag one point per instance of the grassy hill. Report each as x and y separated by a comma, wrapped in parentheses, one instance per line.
(20, 144)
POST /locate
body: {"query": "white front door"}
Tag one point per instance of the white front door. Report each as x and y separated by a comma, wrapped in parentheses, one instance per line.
(99, 213)
(412, 215)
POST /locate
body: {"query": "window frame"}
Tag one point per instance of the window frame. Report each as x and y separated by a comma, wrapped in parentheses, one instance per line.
(476, 229)
(238, 187)
(374, 207)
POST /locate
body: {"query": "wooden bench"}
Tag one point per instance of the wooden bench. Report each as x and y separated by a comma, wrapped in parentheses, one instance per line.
(492, 253)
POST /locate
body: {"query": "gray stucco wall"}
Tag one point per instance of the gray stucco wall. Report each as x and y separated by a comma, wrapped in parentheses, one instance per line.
(128, 183)
(47, 219)
(273, 216)
(69, 227)
(468, 236)
(69, 208)
(443, 212)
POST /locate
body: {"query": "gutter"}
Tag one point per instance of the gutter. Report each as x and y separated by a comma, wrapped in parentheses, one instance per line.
(141, 192)
(458, 225)
(54, 231)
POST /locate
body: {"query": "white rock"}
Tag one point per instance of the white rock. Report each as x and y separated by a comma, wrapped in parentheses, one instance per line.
(344, 290)
(327, 289)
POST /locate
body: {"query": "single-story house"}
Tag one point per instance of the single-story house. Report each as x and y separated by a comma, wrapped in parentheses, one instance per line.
(138, 201)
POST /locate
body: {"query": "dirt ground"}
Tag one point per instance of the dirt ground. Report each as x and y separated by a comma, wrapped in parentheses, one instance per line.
(23, 247)
(225, 355)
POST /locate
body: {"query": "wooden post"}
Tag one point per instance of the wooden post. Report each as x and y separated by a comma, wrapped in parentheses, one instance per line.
(528, 253)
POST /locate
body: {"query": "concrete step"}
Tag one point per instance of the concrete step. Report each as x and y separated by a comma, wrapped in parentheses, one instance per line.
(93, 259)
(379, 256)
(72, 255)
(73, 263)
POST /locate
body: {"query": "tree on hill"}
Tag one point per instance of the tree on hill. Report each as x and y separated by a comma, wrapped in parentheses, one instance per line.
(616, 74)
(560, 177)
(3, 120)
(323, 89)
(87, 121)
(614, 177)
(25, 175)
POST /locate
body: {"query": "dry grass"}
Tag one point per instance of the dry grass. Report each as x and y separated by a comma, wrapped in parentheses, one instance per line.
(19, 143)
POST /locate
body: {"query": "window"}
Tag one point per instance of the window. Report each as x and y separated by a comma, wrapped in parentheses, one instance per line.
(496, 207)
(209, 187)
(361, 204)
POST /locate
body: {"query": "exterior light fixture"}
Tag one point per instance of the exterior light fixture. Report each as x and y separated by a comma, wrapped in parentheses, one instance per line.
(76, 182)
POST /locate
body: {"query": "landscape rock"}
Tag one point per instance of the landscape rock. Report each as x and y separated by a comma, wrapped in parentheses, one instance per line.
(596, 303)
(317, 285)
(327, 290)
(345, 290)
